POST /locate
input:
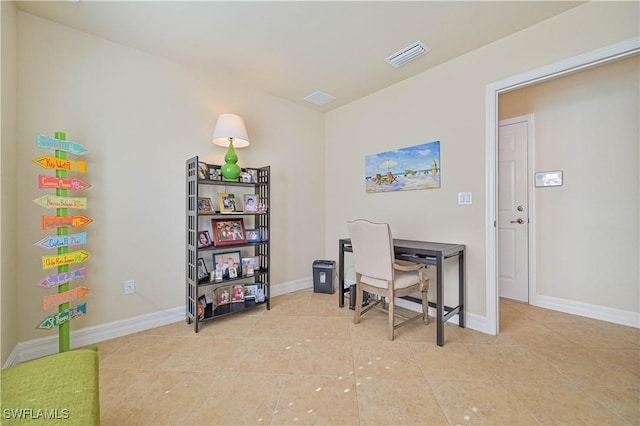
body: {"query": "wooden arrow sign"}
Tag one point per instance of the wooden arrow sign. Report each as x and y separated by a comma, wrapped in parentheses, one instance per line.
(56, 202)
(52, 182)
(61, 164)
(62, 317)
(48, 142)
(75, 221)
(52, 261)
(68, 296)
(54, 280)
(55, 241)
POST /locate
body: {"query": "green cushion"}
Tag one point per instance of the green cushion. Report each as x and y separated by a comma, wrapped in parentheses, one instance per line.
(58, 389)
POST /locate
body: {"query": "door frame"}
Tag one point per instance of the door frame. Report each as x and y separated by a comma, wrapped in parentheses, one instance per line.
(578, 63)
(531, 200)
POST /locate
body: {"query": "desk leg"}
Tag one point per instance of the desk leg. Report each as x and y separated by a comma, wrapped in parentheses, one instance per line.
(439, 300)
(461, 295)
(341, 274)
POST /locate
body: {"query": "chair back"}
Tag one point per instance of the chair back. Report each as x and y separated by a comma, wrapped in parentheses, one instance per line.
(372, 245)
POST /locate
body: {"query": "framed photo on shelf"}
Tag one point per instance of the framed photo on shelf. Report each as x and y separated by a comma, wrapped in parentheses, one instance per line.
(228, 231)
(251, 203)
(205, 205)
(214, 173)
(245, 177)
(223, 295)
(254, 261)
(204, 239)
(250, 291)
(229, 263)
(203, 274)
(203, 171)
(238, 293)
(253, 173)
(253, 235)
(227, 202)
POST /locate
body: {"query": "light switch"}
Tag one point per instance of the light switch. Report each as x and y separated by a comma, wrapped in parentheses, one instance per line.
(465, 198)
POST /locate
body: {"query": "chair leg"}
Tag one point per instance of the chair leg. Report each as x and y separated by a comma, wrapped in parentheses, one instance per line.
(356, 315)
(425, 306)
(392, 313)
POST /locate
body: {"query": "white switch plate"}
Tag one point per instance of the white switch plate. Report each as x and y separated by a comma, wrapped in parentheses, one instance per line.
(465, 198)
(129, 287)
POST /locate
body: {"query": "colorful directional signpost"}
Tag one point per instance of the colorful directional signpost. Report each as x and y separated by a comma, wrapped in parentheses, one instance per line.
(61, 242)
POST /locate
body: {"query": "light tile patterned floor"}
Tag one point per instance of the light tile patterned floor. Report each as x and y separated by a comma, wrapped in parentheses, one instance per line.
(304, 362)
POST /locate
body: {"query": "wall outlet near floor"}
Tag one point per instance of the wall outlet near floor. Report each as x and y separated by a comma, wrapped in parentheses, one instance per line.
(129, 287)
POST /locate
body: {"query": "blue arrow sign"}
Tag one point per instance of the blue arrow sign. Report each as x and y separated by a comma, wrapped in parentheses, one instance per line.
(55, 280)
(48, 142)
(64, 316)
(51, 241)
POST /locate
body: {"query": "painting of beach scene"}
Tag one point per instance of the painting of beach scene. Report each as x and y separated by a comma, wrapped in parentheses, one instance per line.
(405, 169)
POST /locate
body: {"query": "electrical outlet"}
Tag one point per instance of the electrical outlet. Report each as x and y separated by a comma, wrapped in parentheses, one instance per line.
(129, 287)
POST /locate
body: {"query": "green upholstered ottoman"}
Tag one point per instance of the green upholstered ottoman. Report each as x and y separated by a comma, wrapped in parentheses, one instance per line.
(57, 389)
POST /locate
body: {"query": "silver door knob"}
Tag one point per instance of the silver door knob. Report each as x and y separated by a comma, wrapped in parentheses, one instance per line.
(520, 221)
(520, 208)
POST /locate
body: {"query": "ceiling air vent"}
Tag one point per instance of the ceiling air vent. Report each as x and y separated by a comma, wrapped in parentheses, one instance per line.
(407, 54)
(320, 98)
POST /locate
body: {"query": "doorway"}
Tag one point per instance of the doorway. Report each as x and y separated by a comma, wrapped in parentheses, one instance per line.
(597, 57)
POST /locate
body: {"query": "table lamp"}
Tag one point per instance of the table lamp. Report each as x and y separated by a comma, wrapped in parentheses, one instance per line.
(230, 131)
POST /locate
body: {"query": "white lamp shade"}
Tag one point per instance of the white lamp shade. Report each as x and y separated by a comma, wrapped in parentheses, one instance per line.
(230, 126)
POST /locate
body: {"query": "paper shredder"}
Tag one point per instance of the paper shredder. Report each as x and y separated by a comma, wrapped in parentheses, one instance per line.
(324, 276)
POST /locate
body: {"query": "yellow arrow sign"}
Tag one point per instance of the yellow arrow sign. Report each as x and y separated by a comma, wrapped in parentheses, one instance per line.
(61, 164)
(56, 202)
(52, 261)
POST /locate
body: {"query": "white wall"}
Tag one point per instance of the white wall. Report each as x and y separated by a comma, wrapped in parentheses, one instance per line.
(586, 125)
(447, 103)
(8, 213)
(141, 117)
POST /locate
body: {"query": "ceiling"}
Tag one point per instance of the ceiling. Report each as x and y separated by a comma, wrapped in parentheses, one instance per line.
(292, 49)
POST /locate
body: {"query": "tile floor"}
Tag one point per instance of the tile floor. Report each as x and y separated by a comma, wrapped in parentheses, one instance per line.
(304, 362)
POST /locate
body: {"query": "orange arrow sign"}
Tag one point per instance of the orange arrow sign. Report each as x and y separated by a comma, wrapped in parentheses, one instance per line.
(61, 164)
(68, 296)
(75, 221)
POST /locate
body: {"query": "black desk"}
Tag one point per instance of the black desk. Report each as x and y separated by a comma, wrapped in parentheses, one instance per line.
(430, 254)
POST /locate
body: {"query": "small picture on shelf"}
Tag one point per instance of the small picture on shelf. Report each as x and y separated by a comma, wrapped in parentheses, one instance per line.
(262, 207)
(253, 235)
(214, 173)
(250, 203)
(202, 171)
(250, 291)
(227, 202)
(216, 275)
(204, 239)
(203, 274)
(223, 295)
(238, 293)
(251, 261)
(205, 205)
(228, 231)
(229, 263)
(253, 173)
(260, 295)
(245, 177)
(202, 306)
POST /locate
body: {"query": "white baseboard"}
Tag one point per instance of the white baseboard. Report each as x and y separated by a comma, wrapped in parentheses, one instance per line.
(36, 348)
(616, 316)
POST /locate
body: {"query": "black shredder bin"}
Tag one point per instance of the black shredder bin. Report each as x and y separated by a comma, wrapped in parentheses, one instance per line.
(324, 273)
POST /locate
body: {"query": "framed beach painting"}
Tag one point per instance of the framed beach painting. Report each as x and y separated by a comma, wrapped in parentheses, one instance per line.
(404, 169)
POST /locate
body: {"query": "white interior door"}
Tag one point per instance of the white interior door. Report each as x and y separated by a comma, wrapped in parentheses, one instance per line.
(513, 210)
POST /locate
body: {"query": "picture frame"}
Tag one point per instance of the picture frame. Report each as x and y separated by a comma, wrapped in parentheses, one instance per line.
(245, 177)
(253, 235)
(250, 291)
(237, 294)
(223, 295)
(203, 171)
(205, 205)
(228, 231)
(214, 173)
(251, 202)
(254, 261)
(253, 173)
(227, 202)
(229, 262)
(203, 273)
(204, 239)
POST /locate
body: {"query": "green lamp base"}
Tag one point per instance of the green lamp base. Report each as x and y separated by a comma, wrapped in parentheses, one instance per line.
(230, 171)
